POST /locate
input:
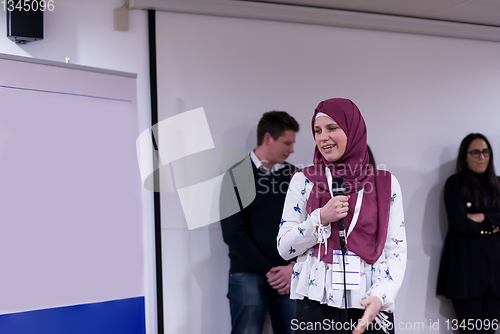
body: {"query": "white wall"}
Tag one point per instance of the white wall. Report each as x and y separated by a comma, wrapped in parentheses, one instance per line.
(419, 95)
(83, 31)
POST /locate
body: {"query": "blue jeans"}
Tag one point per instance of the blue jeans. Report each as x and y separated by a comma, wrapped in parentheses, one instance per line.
(250, 297)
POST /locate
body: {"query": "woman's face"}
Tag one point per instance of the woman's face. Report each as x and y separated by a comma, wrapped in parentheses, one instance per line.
(480, 164)
(330, 139)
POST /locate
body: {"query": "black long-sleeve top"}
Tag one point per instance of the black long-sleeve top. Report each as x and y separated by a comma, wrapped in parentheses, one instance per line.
(251, 233)
(470, 251)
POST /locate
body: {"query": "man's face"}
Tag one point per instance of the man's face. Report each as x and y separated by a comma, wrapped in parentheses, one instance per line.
(281, 148)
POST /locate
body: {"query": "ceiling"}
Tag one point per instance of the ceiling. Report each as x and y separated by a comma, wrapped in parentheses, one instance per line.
(469, 19)
(481, 12)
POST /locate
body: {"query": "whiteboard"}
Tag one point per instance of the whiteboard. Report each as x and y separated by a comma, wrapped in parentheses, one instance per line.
(71, 210)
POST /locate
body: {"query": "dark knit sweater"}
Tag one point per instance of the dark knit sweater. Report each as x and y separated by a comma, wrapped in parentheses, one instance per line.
(470, 259)
(251, 233)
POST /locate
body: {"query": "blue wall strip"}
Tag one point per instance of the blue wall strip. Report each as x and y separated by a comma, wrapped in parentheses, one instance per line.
(125, 316)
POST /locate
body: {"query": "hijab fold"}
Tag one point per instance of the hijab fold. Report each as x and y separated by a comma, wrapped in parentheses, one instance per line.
(368, 237)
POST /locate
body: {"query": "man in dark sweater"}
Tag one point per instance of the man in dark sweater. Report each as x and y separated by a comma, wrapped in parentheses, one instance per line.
(259, 279)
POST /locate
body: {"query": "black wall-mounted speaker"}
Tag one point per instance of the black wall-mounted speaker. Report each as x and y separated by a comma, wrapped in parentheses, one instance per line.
(24, 26)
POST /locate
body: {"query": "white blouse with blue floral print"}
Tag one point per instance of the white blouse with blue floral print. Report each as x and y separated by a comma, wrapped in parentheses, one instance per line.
(312, 278)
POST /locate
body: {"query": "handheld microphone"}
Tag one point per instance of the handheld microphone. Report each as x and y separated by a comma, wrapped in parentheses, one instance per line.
(339, 190)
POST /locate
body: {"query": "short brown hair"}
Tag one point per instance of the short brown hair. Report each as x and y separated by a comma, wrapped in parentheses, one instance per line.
(276, 123)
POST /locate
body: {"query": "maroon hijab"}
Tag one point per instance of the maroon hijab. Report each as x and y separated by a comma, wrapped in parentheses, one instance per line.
(368, 237)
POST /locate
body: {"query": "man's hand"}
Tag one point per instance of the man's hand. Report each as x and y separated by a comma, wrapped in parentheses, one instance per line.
(372, 306)
(279, 278)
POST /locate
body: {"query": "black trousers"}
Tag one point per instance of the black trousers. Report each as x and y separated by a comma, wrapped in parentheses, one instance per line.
(314, 317)
(482, 310)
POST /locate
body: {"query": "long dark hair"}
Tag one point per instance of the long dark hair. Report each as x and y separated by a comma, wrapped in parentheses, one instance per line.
(371, 158)
(470, 188)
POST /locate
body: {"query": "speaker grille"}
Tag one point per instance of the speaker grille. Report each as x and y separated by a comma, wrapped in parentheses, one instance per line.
(24, 26)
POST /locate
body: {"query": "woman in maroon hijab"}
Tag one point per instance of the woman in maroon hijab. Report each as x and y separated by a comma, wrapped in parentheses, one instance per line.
(372, 210)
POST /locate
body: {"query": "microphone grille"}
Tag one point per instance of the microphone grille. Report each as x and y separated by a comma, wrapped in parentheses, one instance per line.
(338, 182)
(338, 186)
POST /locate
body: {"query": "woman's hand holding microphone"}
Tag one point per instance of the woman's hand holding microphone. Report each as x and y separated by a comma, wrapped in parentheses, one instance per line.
(334, 210)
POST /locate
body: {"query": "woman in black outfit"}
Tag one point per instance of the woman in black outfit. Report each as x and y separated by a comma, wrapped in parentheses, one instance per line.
(472, 246)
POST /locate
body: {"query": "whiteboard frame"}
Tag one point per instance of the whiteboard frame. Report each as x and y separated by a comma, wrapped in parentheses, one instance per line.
(67, 65)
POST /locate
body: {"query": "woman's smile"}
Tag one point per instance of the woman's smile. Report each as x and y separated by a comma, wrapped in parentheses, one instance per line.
(330, 139)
